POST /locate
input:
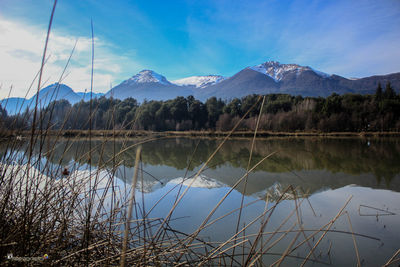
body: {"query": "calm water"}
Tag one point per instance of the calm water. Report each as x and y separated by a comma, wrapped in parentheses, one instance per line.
(328, 170)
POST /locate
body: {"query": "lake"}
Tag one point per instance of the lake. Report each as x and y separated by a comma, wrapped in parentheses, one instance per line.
(353, 181)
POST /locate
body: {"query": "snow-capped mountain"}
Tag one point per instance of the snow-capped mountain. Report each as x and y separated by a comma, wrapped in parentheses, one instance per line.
(147, 76)
(199, 81)
(277, 70)
(149, 85)
(274, 77)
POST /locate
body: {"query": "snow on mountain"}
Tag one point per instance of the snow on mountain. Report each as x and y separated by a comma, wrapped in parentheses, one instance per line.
(147, 76)
(277, 70)
(149, 85)
(199, 81)
(201, 181)
(275, 192)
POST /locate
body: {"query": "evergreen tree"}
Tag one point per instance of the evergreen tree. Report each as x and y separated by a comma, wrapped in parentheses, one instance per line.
(214, 109)
(3, 117)
(378, 92)
(389, 92)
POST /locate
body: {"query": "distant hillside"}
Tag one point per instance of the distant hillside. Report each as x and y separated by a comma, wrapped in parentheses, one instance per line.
(55, 91)
(266, 78)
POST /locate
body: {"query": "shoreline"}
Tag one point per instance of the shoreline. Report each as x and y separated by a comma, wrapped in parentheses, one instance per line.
(142, 133)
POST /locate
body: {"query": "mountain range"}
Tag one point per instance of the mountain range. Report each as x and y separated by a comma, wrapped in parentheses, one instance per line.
(266, 78)
(55, 91)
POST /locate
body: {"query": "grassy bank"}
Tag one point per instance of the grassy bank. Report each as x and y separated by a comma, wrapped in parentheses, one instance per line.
(141, 133)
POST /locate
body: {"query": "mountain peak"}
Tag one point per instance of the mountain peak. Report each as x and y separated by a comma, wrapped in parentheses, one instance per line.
(276, 70)
(56, 90)
(147, 76)
(199, 81)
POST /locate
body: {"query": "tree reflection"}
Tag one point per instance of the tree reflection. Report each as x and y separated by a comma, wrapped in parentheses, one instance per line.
(378, 157)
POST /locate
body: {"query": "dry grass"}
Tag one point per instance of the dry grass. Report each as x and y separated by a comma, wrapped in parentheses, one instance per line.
(8, 133)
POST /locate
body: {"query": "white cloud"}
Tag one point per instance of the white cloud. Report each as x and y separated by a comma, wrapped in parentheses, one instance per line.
(21, 48)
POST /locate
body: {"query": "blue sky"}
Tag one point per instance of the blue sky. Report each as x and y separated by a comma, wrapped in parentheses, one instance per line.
(184, 38)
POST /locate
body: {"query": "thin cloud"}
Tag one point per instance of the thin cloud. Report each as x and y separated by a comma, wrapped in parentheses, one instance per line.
(349, 38)
(21, 51)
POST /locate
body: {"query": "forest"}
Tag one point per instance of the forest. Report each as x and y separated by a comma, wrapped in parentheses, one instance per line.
(281, 112)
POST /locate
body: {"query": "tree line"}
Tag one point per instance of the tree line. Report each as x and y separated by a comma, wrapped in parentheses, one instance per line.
(281, 112)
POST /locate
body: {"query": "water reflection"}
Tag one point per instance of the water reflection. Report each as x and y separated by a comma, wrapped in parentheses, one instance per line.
(329, 169)
(314, 164)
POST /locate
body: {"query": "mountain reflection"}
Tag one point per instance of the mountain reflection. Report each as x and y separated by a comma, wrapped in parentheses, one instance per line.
(314, 164)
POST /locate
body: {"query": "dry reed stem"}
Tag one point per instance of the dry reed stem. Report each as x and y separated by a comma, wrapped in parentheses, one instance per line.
(261, 251)
(354, 240)
(263, 226)
(131, 200)
(202, 226)
(377, 209)
(235, 236)
(92, 246)
(231, 212)
(279, 262)
(315, 231)
(247, 168)
(225, 250)
(300, 221)
(392, 260)
(40, 76)
(329, 227)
